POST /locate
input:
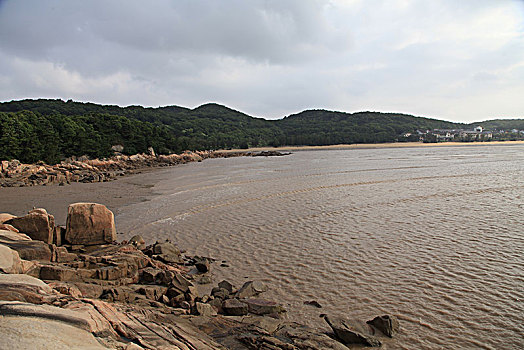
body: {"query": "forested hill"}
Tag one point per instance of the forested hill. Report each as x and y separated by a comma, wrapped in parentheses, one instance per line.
(49, 130)
(321, 127)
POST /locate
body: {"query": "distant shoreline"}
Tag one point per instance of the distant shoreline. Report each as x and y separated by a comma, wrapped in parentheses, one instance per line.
(375, 145)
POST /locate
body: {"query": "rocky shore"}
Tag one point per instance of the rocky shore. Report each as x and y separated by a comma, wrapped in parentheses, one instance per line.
(81, 169)
(76, 287)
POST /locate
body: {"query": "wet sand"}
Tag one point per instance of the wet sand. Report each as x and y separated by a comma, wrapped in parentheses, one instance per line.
(139, 187)
(55, 199)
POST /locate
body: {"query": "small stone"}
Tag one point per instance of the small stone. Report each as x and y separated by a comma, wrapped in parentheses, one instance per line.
(251, 289)
(138, 242)
(226, 285)
(313, 303)
(263, 307)
(168, 253)
(150, 275)
(220, 293)
(202, 264)
(205, 279)
(234, 307)
(203, 309)
(388, 325)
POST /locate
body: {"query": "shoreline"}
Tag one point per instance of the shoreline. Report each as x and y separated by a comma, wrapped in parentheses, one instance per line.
(92, 292)
(374, 146)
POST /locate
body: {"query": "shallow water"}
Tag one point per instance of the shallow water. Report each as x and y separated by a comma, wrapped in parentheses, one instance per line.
(432, 235)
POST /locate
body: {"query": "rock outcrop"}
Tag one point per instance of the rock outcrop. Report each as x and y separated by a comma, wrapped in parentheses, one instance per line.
(81, 169)
(97, 294)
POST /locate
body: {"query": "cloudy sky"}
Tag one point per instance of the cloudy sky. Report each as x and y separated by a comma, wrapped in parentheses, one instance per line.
(448, 59)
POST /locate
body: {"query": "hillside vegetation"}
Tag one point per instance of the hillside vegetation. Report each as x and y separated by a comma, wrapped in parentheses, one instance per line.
(50, 130)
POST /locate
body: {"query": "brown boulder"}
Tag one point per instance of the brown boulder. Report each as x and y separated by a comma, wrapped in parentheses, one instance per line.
(90, 224)
(37, 224)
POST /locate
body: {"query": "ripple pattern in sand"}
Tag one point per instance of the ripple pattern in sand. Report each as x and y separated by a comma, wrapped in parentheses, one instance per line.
(432, 235)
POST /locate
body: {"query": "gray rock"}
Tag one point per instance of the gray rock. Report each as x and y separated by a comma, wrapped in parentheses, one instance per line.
(205, 279)
(138, 242)
(251, 289)
(226, 285)
(205, 309)
(263, 307)
(352, 332)
(303, 337)
(220, 293)
(181, 283)
(202, 264)
(168, 252)
(234, 307)
(150, 275)
(44, 334)
(388, 325)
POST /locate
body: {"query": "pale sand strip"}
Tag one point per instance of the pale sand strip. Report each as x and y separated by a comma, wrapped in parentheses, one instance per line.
(376, 145)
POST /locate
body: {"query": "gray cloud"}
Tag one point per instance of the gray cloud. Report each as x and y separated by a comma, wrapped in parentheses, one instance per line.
(446, 59)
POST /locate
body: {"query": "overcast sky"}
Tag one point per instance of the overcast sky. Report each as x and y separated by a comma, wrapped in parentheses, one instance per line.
(447, 59)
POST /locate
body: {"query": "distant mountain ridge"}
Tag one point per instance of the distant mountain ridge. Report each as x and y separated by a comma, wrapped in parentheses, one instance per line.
(50, 129)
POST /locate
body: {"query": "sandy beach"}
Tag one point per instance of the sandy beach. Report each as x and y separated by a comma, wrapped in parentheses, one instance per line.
(376, 145)
(55, 199)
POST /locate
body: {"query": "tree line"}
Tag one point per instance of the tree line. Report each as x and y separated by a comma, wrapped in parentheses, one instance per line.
(51, 130)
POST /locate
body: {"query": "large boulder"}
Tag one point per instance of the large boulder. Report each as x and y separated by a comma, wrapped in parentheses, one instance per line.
(37, 224)
(90, 224)
(352, 332)
(9, 260)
